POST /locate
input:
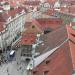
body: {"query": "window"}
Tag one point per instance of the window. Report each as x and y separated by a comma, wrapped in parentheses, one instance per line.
(25, 40)
(45, 73)
(47, 30)
(33, 26)
(47, 62)
(34, 72)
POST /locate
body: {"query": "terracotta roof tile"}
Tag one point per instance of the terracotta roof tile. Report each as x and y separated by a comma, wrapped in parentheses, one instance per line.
(34, 3)
(1, 26)
(27, 24)
(1, 8)
(3, 17)
(71, 35)
(51, 1)
(50, 22)
(52, 39)
(28, 39)
(72, 9)
(49, 12)
(13, 12)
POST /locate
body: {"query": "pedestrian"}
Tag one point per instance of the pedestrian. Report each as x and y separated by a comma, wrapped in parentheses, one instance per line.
(20, 68)
(8, 74)
(7, 69)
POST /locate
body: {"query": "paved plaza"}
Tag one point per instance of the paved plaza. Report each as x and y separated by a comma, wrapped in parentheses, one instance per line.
(15, 67)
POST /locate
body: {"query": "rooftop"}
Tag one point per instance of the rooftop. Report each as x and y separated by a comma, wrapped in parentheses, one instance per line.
(27, 39)
(51, 41)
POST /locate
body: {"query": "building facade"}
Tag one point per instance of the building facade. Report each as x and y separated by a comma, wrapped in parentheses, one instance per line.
(14, 25)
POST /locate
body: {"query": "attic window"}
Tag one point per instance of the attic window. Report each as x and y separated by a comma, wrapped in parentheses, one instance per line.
(47, 30)
(48, 61)
(45, 72)
(34, 72)
(31, 40)
(33, 26)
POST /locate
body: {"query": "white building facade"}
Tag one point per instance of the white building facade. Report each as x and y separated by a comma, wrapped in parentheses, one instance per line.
(13, 30)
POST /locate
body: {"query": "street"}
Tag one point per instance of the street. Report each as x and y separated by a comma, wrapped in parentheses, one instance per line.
(15, 67)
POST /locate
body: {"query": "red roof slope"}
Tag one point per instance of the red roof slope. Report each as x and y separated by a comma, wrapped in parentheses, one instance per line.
(53, 39)
(51, 1)
(1, 26)
(49, 12)
(59, 62)
(46, 23)
(71, 35)
(27, 39)
(34, 3)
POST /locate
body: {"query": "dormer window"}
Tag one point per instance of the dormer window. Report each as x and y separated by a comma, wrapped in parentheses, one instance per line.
(47, 61)
(33, 26)
(45, 72)
(34, 72)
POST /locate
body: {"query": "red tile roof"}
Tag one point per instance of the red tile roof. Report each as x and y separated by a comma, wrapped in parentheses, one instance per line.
(1, 26)
(1, 8)
(72, 9)
(1, 0)
(50, 12)
(12, 3)
(27, 39)
(59, 62)
(33, 3)
(12, 13)
(4, 17)
(45, 23)
(67, 0)
(51, 1)
(64, 9)
(71, 35)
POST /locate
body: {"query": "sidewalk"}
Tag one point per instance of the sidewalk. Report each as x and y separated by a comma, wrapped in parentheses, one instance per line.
(13, 69)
